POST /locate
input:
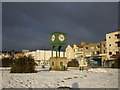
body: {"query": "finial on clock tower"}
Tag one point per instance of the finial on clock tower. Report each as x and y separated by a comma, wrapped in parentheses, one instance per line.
(58, 28)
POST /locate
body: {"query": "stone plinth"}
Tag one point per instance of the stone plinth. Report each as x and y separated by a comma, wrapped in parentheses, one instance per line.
(58, 63)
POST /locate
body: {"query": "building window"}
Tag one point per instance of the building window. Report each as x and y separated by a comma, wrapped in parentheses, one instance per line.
(109, 44)
(103, 45)
(104, 51)
(86, 47)
(118, 36)
(93, 53)
(52, 63)
(81, 56)
(98, 52)
(117, 52)
(61, 63)
(118, 44)
(98, 46)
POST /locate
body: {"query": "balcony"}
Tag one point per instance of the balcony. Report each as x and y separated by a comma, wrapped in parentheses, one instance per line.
(117, 36)
(118, 44)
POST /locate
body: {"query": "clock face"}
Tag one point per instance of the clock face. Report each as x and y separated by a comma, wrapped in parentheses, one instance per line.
(53, 38)
(61, 37)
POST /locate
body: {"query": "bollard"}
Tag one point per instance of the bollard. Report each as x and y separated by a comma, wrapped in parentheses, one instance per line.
(81, 68)
(63, 68)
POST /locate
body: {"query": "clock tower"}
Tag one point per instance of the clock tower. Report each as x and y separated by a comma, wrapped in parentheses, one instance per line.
(58, 41)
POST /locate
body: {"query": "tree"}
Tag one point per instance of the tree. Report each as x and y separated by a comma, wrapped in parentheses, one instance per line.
(117, 61)
(73, 63)
(24, 64)
(6, 62)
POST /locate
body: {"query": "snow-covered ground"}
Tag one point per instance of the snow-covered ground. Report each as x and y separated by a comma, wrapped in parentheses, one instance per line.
(92, 78)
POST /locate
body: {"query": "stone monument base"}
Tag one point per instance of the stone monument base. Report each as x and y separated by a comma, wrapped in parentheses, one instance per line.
(58, 63)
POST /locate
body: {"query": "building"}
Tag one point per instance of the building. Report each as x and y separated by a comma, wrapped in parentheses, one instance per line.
(75, 52)
(69, 53)
(95, 52)
(4, 55)
(17, 55)
(42, 57)
(113, 45)
(85, 51)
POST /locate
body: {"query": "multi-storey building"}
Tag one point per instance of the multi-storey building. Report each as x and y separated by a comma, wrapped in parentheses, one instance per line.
(95, 52)
(113, 44)
(88, 51)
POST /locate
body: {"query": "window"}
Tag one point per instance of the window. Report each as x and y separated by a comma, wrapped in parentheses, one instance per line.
(104, 51)
(109, 37)
(86, 47)
(98, 46)
(81, 56)
(109, 44)
(103, 45)
(118, 44)
(118, 36)
(98, 52)
(117, 52)
(93, 53)
(52, 63)
(61, 63)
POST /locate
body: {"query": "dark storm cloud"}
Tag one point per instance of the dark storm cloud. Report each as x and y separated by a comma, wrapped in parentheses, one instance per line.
(28, 25)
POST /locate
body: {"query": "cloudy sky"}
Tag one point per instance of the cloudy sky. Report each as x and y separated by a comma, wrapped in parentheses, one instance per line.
(28, 25)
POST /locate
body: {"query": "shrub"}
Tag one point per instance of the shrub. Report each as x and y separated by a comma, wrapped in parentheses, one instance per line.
(6, 62)
(73, 63)
(24, 64)
(117, 61)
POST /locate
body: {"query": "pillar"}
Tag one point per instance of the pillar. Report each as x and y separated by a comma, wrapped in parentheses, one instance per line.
(52, 51)
(59, 53)
(56, 52)
(64, 54)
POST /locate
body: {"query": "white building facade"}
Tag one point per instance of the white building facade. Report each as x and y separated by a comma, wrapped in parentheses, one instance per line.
(42, 57)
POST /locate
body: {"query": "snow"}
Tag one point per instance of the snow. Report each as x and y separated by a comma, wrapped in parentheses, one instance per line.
(93, 78)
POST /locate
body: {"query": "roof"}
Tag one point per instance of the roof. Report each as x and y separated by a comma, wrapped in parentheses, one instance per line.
(58, 32)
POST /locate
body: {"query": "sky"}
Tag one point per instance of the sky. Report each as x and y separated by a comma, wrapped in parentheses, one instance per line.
(27, 25)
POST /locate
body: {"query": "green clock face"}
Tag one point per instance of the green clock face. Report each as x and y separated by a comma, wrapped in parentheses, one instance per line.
(53, 38)
(61, 37)
(58, 39)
